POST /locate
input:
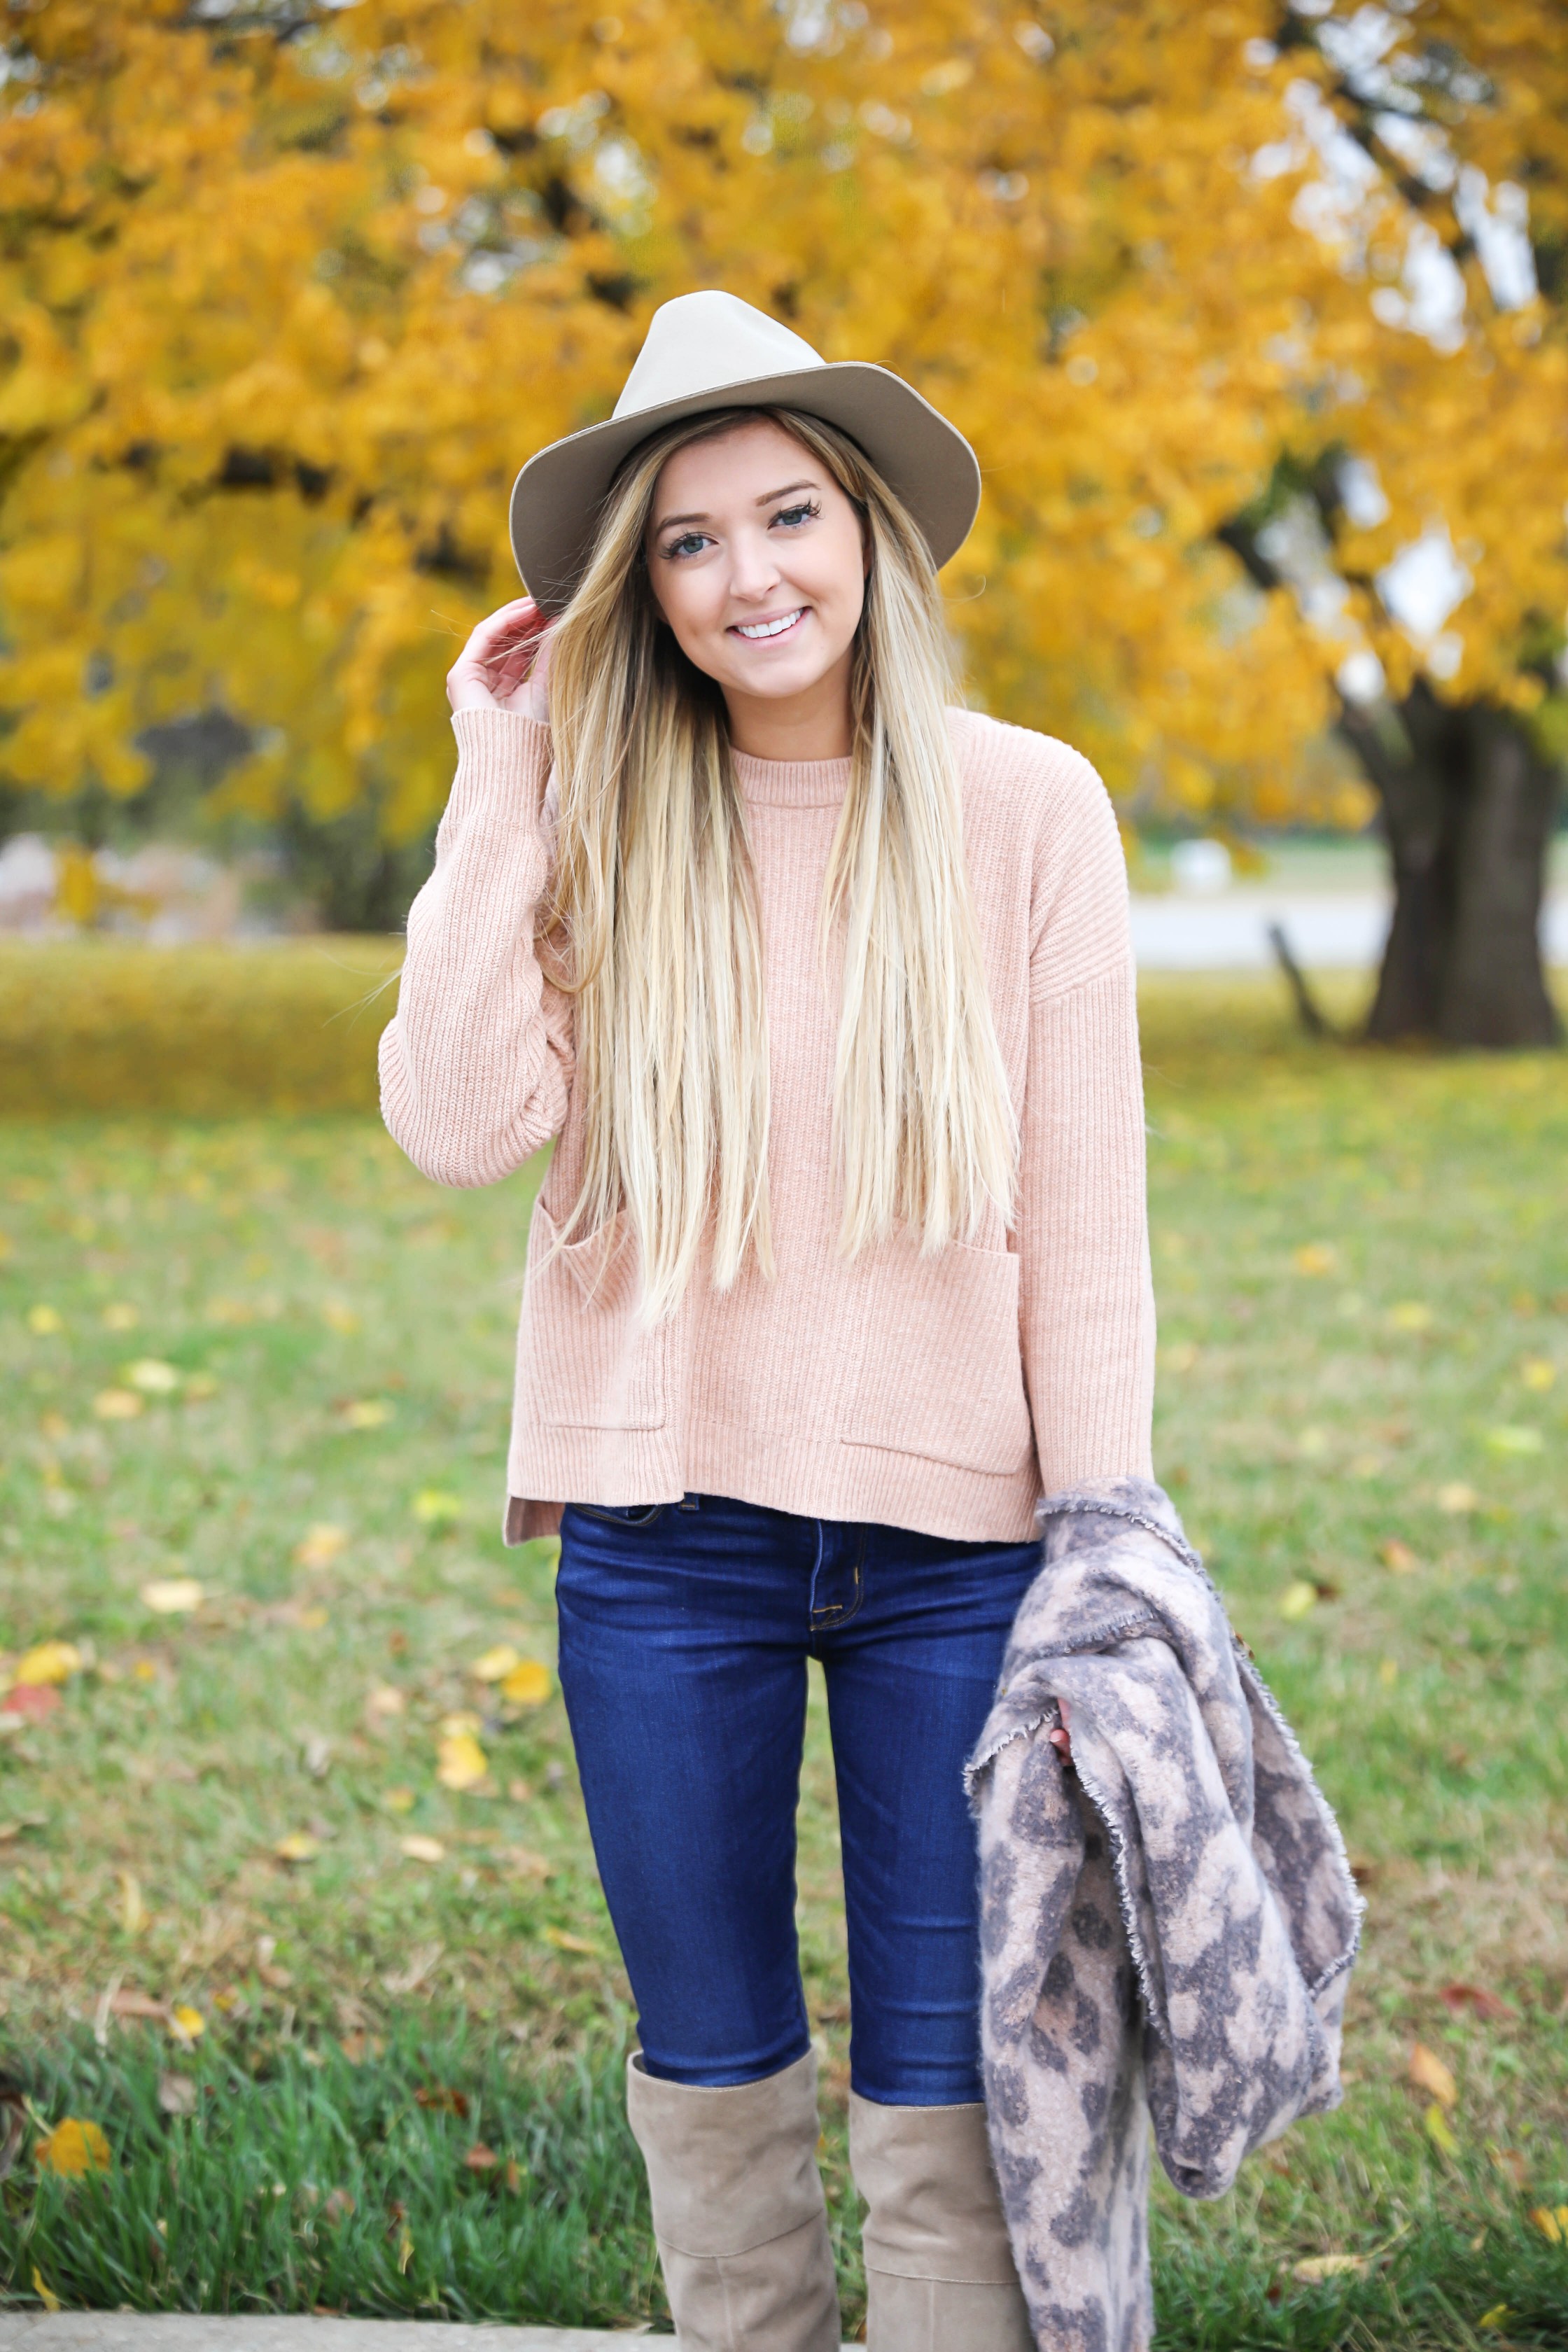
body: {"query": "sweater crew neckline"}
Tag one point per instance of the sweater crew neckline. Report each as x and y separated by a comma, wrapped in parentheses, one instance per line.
(792, 783)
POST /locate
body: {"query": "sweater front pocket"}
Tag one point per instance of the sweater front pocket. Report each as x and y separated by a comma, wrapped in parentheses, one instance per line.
(584, 1362)
(940, 1369)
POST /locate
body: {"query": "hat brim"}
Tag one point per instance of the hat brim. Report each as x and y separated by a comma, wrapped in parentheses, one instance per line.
(557, 497)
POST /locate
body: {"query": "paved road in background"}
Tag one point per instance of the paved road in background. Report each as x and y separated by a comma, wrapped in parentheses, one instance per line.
(1327, 929)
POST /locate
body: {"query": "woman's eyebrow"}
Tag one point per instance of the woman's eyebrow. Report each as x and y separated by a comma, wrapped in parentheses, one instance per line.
(667, 522)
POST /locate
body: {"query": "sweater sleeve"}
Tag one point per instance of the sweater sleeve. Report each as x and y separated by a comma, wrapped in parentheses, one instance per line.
(1087, 1295)
(476, 1066)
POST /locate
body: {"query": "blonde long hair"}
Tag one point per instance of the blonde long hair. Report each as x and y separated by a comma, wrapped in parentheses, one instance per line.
(658, 933)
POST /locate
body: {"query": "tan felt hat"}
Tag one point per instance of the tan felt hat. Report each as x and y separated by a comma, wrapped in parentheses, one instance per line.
(713, 350)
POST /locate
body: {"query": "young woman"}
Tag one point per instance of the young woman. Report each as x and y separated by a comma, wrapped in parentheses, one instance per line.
(822, 986)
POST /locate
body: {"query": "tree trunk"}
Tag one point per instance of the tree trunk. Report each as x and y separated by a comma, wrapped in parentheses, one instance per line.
(1468, 805)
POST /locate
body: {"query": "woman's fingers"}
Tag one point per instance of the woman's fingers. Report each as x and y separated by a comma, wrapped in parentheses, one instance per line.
(496, 657)
(1062, 1740)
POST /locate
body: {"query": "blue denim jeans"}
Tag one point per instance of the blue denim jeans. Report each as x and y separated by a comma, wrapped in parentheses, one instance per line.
(685, 1631)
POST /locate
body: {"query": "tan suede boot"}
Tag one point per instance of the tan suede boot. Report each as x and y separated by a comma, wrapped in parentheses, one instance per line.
(738, 2210)
(938, 2268)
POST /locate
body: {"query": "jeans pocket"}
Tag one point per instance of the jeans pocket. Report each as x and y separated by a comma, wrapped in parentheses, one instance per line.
(620, 1514)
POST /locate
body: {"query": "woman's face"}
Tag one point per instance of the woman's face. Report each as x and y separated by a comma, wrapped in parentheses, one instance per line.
(757, 562)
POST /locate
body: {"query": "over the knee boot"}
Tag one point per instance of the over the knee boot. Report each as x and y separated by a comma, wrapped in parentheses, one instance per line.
(938, 2268)
(738, 2210)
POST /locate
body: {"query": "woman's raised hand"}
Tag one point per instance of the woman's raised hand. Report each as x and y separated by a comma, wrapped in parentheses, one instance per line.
(505, 664)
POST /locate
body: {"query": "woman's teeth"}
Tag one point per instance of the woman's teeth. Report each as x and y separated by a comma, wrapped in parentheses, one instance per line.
(770, 628)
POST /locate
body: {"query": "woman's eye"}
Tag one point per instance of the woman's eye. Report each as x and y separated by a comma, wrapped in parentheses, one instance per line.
(690, 542)
(799, 514)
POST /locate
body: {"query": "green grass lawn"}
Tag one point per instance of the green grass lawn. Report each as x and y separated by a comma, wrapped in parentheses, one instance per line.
(262, 1357)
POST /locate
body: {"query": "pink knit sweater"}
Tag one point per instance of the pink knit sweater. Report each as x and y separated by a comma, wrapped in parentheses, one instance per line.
(939, 1393)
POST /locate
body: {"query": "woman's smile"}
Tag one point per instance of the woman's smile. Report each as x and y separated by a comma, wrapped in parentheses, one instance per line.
(760, 632)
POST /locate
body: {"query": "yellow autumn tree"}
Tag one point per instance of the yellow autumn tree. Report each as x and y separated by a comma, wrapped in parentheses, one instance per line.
(1253, 314)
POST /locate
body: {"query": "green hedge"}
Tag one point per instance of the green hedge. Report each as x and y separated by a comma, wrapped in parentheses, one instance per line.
(206, 1031)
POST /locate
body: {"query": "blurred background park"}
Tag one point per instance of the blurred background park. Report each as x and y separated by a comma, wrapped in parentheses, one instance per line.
(1257, 317)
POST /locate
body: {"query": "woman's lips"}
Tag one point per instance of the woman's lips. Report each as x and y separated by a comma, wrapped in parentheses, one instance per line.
(767, 632)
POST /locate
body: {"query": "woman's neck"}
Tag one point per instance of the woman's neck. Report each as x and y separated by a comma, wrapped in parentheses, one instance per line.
(812, 725)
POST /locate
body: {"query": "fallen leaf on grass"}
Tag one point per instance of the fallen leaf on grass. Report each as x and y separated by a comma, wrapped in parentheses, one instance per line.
(185, 2023)
(1314, 1257)
(528, 1683)
(1438, 2131)
(1512, 1440)
(1456, 1497)
(30, 1702)
(76, 2147)
(119, 1316)
(1298, 1598)
(526, 1862)
(1553, 2226)
(1510, 2162)
(1428, 2072)
(440, 2099)
(48, 1662)
(495, 1664)
(45, 1321)
(337, 2205)
(138, 2004)
(1397, 1557)
(133, 1908)
(357, 2047)
(462, 1762)
(153, 1376)
(480, 2159)
(405, 2253)
(1487, 2005)
(364, 1412)
(320, 1545)
(46, 2294)
(172, 1596)
(339, 1316)
(565, 1942)
(400, 1800)
(433, 1507)
(1495, 2317)
(176, 2095)
(418, 1848)
(1317, 2267)
(117, 1404)
(298, 1845)
(385, 1701)
(1538, 1372)
(1411, 1315)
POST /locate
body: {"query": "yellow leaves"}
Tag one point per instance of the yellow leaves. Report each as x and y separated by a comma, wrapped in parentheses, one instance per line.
(44, 2292)
(1512, 1442)
(1429, 2074)
(1411, 1315)
(1538, 1373)
(528, 1683)
(565, 1941)
(384, 1702)
(48, 1661)
(434, 1507)
(297, 1845)
(185, 2023)
(172, 1596)
(321, 1545)
(1314, 1258)
(1436, 2124)
(152, 1377)
(339, 1316)
(417, 1847)
(1315, 2268)
(495, 1663)
(400, 1799)
(461, 1761)
(75, 2148)
(1495, 2317)
(404, 2252)
(45, 1321)
(364, 1412)
(132, 1907)
(1455, 1498)
(1552, 2222)
(117, 1404)
(1297, 1598)
(119, 1316)
(1397, 1557)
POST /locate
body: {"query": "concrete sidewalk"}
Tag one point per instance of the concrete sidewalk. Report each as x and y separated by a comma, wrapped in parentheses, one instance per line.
(155, 2331)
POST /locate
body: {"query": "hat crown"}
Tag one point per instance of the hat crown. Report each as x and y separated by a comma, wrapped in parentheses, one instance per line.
(700, 343)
